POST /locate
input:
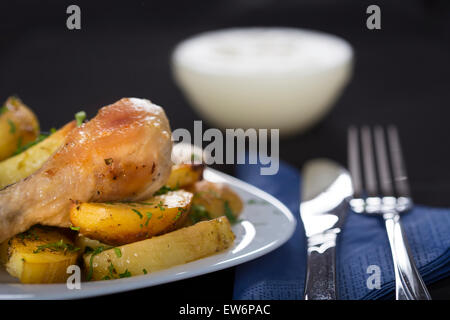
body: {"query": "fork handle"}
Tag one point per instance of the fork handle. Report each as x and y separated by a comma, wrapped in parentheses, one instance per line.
(408, 282)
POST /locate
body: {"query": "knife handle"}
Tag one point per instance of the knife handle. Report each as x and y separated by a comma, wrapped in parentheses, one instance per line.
(321, 267)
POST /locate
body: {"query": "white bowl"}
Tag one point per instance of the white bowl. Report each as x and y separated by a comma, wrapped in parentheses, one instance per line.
(263, 77)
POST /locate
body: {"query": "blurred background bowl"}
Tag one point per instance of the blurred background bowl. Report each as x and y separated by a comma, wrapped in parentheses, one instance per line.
(281, 78)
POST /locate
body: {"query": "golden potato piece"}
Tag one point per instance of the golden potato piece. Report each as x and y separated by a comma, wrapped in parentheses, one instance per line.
(40, 255)
(183, 175)
(27, 162)
(18, 126)
(162, 252)
(120, 223)
(212, 200)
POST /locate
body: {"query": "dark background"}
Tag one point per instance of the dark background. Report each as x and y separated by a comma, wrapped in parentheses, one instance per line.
(401, 76)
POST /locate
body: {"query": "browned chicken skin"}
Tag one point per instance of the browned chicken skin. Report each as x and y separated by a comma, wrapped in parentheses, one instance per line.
(121, 154)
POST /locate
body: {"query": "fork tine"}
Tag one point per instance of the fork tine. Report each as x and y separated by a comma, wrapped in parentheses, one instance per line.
(383, 162)
(368, 162)
(398, 165)
(353, 160)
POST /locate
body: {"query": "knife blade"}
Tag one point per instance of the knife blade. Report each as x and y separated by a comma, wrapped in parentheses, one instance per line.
(326, 191)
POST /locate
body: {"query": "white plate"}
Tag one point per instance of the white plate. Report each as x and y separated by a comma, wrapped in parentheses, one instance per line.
(266, 224)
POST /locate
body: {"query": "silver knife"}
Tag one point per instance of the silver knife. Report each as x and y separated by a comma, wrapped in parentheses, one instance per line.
(326, 191)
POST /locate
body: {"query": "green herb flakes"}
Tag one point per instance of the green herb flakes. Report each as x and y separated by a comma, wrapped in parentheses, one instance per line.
(80, 117)
(199, 213)
(149, 216)
(56, 246)
(91, 260)
(126, 274)
(118, 252)
(21, 148)
(161, 206)
(3, 109)
(138, 213)
(229, 213)
(12, 126)
(164, 190)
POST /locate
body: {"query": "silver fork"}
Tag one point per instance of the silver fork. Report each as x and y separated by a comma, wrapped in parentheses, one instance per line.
(388, 198)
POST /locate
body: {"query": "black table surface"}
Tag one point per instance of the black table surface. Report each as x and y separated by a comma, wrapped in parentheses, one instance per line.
(401, 76)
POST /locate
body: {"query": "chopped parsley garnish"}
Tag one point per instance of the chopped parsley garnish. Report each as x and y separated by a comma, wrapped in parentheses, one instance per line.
(161, 206)
(138, 213)
(198, 213)
(3, 109)
(149, 216)
(74, 228)
(144, 271)
(126, 274)
(229, 213)
(30, 234)
(95, 252)
(111, 271)
(164, 190)
(195, 157)
(12, 126)
(19, 142)
(41, 137)
(56, 246)
(179, 213)
(118, 252)
(80, 117)
(131, 204)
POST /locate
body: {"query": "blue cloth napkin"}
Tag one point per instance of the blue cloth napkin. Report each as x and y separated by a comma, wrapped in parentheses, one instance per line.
(362, 243)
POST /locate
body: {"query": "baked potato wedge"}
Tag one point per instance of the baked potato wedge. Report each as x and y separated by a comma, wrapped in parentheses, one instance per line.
(27, 162)
(161, 252)
(39, 255)
(124, 222)
(212, 200)
(18, 126)
(183, 175)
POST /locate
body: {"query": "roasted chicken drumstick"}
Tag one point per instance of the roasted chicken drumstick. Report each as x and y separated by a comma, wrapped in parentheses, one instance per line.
(121, 154)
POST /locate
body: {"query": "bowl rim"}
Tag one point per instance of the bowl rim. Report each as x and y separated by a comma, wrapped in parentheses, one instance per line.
(179, 61)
